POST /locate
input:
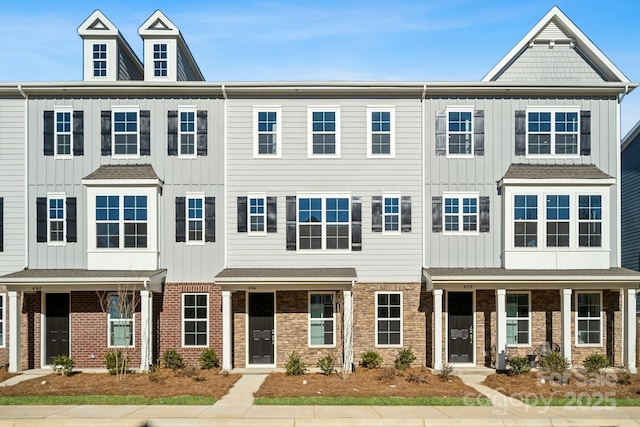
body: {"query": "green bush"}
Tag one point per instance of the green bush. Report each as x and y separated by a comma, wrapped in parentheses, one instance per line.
(116, 363)
(595, 363)
(519, 365)
(63, 364)
(209, 359)
(327, 364)
(295, 365)
(554, 362)
(446, 373)
(171, 359)
(371, 359)
(405, 358)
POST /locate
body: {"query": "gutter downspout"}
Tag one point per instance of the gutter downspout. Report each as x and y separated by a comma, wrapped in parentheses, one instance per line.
(224, 178)
(423, 173)
(26, 175)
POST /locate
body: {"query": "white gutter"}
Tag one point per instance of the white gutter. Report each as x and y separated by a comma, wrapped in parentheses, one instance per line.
(423, 161)
(26, 175)
(618, 176)
(224, 178)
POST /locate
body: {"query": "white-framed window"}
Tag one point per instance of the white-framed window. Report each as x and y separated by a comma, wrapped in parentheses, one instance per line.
(160, 59)
(558, 220)
(267, 135)
(187, 132)
(390, 213)
(195, 320)
(324, 132)
(381, 131)
(590, 221)
(121, 320)
(121, 221)
(518, 307)
(322, 322)
(99, 56)
(324, 222)
(460, 213)
(57, 218)
(63, 133)
(195, 219)
(126, 132)
(3, 309)
(388, 319)
(589, 318)
(525, 217)
(257, 214)
(553, 131)
(460, 132)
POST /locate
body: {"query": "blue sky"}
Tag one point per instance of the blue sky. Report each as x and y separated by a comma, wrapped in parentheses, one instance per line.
(424, 40)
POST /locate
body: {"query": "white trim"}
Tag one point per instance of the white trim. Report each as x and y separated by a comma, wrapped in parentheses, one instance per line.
(377, 344)
(227, 331)
(275, 332)
(3, 321)
(57, 110)
(438, 336)
(460, 196)
(257, 196)
(553, 133)
(15, 338)
(600, 319)
(333, 319)
(460, 109)
(125, 109)
(63, 197)
(398, 214)
(195, 320)
(194, 111)
(278, 131)
(132, 321)
(323, 224)
(391, 109)
(193, 196)
(518, 318)
(310, 132)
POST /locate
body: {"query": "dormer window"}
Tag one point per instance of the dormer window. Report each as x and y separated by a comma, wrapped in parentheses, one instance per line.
(100, 60)
(160, 60)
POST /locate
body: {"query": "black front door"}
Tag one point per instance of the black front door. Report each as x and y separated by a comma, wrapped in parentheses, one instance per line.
(460, 320)
(261, 333)
(57, 326)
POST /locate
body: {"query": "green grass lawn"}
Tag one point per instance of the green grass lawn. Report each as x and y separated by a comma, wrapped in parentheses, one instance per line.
(605, 402)
(105, 400)
(375, 401)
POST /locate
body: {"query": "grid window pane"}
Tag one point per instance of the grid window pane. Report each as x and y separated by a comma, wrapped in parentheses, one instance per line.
(589, 313)
(99, 60)
(267, 132)
(324, 132)
(590, 220)
(321, 315)
(257, 214)
(63, 133)
(381, 132)
(195, 314)
(460, 132)
(518, 319)
(195, 219)
(391, 213)
(388, 319)
(187, 133)
(160, 60)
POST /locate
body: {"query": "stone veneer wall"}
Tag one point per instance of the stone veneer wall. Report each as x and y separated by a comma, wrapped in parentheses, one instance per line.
(30, 330)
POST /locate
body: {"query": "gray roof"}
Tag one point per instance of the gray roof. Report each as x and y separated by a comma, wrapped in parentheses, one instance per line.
(123, 172)
(504, 274)
(53, 274)
(287, 274)
(521, 171)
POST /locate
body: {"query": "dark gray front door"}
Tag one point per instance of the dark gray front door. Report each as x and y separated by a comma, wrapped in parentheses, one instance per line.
(460, 309)
(57, 326)
(261, 333)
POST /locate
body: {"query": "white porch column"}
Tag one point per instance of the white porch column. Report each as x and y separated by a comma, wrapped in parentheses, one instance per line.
(566, 324)
(15, 307)
(629, 315)
(227, 323)
(146, 341)
(501, 329)
(437, 328)
(347, 294)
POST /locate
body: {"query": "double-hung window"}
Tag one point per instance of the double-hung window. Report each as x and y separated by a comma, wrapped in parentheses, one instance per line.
(195, 219)
(525, 216)
(187, 133)
(460, 213)
(558, 220)
(590, 220)
(135, 221)
(195, 320)
(324, 132)
(460, 132)
(552, 132)
(324, 222)
(121, 221)
(381, 131)
(126, 138)
(160, 60)
(518, 319)
(63, 133)
(257, 215)
(322, 325)
(121, 320)
(391, 213)
(99, 60)
(589, 318)
(389, 319)
(57, 218)
(267, 132)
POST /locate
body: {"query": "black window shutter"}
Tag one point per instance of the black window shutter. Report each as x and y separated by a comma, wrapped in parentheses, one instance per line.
(585, 133)
(356, 223)
(145, 132)
(1, 224)
(376, 214)
(202, 132)
(484, 214)
(181, 226)
(272, 214)
(105, 133)
(441, 133)
(41, 219)
(242, 214)
(478, 133)
(291, 223)
(405, 214)
(48, 133)
(172, 132)
(72, 220)
(209, 219)
(521, 132)
(78, 133)
(436, 214)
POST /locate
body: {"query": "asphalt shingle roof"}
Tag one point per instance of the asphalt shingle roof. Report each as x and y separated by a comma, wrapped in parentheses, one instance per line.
(123, 172)
(520, 171)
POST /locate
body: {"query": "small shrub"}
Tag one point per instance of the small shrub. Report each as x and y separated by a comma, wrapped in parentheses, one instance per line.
(63, 365)
(295, 365)
(371, 359)
(386, 374)
(595, 363)
(327, 364)
(623, 376)
(405, 358)
(554, 362)
(171, 359)
(519, 365)
(156, 375)
(115, 362)
(190, 372)
(209, 359)
(417, 378)
(446, 373)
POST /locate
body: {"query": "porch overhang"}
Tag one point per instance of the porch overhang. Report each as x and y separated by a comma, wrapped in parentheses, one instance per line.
(253, 279)
(494, 278)
(83, 280)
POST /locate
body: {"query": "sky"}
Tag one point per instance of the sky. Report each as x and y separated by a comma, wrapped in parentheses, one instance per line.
(339, 40)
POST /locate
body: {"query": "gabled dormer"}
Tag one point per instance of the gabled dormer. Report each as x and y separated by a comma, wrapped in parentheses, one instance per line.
(166, 55)
(555, 51)
(107, 55)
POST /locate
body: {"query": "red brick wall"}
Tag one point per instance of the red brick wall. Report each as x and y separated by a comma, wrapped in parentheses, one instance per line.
(30, 330)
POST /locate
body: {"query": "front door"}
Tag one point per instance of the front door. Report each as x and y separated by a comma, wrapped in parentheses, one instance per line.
(261, 328)
(57, 326)
(460, 321)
